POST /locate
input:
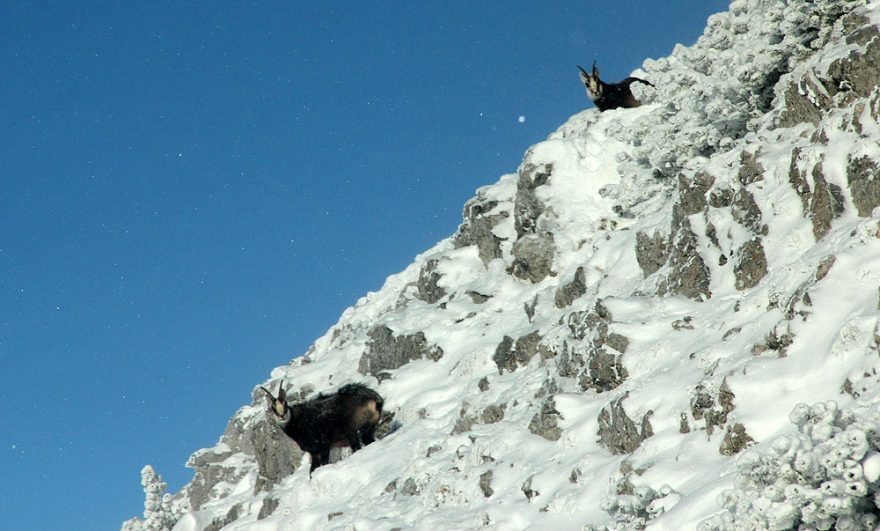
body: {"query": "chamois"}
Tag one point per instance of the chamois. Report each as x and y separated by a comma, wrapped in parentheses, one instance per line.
(610, 95)
(347, 417)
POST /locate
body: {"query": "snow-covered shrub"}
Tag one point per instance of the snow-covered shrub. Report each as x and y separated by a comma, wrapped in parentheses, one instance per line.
(158, 515)
(632, 506)
(823, 477)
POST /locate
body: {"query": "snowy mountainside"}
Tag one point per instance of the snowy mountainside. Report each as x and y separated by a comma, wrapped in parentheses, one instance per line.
(621, 334)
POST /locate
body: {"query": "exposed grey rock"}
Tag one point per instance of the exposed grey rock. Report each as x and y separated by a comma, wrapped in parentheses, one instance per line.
(856, 74)
(268, 507)
(527, 489)
(465, 420)
(429, 290)
(735, 440)
(486, 483)
(804, 103)
(527, 207)
(691, 196)
(572, 291)
(493, 414)
(711, 409)
(863, 176)
(410, 488)
(595, 355)
(276, 453)
(533, 257)
(604, 371)
(478, 298)
(774, 341)
(824, 267)
(510, 355)
(385, 351)
(746, 212)
(544, 423)
(335, 514)
(798, 180)
(483, 384)
(476, 229)
(618, 433)
(651, 252)
(751, 264)
(827, 203)
(750, 170)
(688, 275)
(685, 323)
(721, 195)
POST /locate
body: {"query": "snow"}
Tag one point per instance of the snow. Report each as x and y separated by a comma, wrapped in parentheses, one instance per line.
(602, 192)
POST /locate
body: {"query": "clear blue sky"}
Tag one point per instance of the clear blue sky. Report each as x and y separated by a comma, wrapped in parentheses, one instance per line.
(191, 194)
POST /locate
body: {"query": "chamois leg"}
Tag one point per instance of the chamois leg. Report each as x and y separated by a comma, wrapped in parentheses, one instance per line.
(354, 441)
(319, 458)
(368, 435)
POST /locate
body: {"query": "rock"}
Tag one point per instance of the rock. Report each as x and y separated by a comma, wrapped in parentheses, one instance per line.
(533, 257)
(827, 203)
(651, 252)
(544, 423)
(385, 351)
(476, 229)
(863, 176)
(618, 433)
(688, 275)
(510, 355)
(527, 207)
(465, 420)
(750, 170)
(691, 196)
(527, 489)
(268, 507)
(429, 290)
(751, 265)
(493, 414)
(572, 291)
(735, 440)
(486, 483)
(604, 371)
(713, 412)
(746, 212)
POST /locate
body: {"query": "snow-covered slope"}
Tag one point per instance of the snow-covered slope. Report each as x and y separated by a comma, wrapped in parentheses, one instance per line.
(620, 334)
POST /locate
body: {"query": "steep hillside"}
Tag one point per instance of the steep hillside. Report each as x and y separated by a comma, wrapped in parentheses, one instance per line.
(624, 332)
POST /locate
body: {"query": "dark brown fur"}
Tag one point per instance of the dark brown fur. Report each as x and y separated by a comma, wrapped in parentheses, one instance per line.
(610, 95)
(347, 417)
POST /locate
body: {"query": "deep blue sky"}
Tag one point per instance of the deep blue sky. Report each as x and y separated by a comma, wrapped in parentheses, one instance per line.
(191, 194)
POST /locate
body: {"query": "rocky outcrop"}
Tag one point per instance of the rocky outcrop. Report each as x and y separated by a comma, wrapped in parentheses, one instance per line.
(533, 257)
(429, 289)
(386, 352)
(619, 433)
(481, 215)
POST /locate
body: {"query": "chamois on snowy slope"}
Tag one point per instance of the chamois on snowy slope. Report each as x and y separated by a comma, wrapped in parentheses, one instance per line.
(610, 95)
(347, 417)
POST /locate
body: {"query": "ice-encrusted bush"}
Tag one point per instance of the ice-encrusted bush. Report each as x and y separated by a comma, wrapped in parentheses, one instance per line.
(632, 506)
(158, 515)
(823, 477)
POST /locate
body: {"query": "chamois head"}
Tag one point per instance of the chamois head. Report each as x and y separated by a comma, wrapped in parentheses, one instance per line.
(592, 82)
(278, 406)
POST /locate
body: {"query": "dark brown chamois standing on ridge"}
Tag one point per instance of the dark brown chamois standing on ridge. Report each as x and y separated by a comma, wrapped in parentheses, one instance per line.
(347, 417)
(610, 95)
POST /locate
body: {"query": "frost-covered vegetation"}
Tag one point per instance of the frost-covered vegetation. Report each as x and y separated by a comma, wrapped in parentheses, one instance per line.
(823, 477)
(158, 512)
